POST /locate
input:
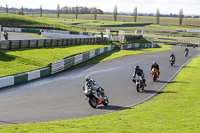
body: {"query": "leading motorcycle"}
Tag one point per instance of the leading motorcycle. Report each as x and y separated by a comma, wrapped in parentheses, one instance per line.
(94, 101)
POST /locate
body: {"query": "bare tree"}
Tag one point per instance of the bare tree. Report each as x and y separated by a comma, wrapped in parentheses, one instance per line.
(6, 8)
(58, 11)
(115, 13)
(40, 10)
(181, 16)
(76, 12)
(22, 11)
(157, 16)
(95, 13)
(135, 14)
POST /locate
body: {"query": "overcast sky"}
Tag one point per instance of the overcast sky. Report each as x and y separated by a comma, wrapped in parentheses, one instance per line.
(144, 6)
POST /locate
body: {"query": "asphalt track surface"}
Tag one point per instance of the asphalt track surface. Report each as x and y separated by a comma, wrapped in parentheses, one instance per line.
(61, 96)
(27, 36)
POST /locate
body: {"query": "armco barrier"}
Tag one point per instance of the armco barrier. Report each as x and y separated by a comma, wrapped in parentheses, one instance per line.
(18, 44)
(68, 62)
(137, 45)
(24, 77)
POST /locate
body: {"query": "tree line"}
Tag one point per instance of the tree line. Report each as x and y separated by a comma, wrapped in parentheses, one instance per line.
(85, 10)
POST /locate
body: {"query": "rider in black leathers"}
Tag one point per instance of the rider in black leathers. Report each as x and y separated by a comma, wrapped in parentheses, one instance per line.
(155, 65)
(173, 56)
(92, 83)
(186, 50)
(139, 72)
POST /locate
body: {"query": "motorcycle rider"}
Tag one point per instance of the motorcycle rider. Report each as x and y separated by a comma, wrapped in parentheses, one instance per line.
(5, 34)
(155, 65)
(172, 56)
(92, 83)
(139, 72)
(186, 50)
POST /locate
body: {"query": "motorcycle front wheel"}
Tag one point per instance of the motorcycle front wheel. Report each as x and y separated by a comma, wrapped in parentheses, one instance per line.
(92, 101)
(105, 101)
(154, 77)
(138, 88)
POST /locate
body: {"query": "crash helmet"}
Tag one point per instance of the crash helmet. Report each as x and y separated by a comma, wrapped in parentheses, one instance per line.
(137, 67)
(87, 78)
(154, 62)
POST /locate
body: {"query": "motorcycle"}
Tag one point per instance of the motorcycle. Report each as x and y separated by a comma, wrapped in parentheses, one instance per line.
(172, 61)
(6, 37)
(139, 83)
(185, 53)
(154, 74)
(94, 101)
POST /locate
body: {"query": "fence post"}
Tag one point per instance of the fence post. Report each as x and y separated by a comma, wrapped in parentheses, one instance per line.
(29, 45)
(20, 44)
(10, 44)
(37, 42)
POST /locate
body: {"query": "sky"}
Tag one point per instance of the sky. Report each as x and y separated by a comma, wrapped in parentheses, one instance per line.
(143, 6)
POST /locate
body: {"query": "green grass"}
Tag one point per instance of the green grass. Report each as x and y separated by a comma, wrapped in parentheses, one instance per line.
(171, 36)
(21, 21)
(167, 24)
(22, 60)
(125, 18)
(175, 110)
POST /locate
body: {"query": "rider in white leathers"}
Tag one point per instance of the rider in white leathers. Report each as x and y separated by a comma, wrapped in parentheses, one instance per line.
(92, 83)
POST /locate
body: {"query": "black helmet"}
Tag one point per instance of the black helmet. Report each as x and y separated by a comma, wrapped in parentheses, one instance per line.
(137, 67)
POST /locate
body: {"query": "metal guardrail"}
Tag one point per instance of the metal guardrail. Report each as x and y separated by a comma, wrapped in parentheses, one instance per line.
(71, 61)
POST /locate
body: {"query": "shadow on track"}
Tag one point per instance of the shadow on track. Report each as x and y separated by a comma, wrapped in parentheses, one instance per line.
(112, 107)
(157, 92)
(170, 82)
(5, 122)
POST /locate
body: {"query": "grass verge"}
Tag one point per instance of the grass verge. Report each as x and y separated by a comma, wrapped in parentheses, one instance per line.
(176, 109)
(22, 60)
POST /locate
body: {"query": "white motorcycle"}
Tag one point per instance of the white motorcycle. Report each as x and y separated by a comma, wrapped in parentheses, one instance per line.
(139, 83)
(172, 61)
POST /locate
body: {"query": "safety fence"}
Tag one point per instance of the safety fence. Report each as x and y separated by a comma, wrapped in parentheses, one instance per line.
(137, 45)
(18, 44)
(24, 77)
(71, 61)
(62, 65)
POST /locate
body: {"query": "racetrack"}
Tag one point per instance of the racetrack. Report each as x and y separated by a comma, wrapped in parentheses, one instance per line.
(61, 96)
(32, 36)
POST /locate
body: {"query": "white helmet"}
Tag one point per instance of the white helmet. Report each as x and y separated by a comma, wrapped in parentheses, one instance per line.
(154, 62)
(87, 78)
